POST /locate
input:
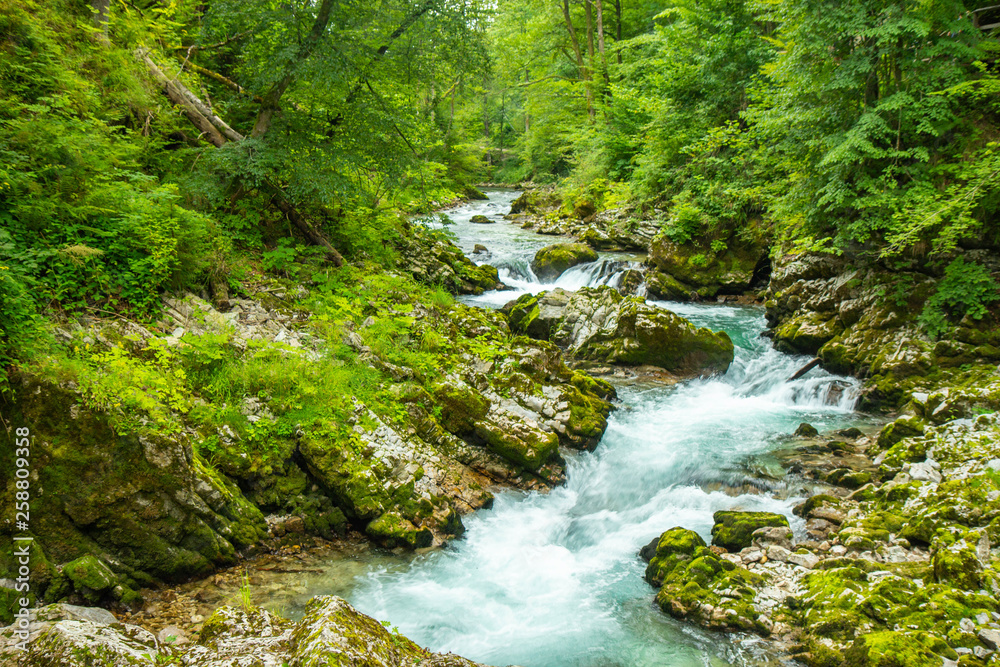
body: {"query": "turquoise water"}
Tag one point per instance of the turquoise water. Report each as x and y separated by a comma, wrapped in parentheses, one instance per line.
(547, 580)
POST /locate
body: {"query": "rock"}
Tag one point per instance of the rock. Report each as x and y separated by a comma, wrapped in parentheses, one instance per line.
(331, 633)
(956, 564)
(777, 553)
(698, 584)
(551, 261)
(647, 552)
(602, 325)
(806, 431)
(803, 559)
(480, 249)
(90, 575)
(172, 636)
(694, 269)
(72, 642)
(772, 536)
(990, 637)
(925, 472)
(434, 260)
(733, 530)
(481, 220)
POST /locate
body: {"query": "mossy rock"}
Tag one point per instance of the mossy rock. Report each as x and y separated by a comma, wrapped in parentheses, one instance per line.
(551, 261)
(392, 530)
(957, 564)
(664, 286)
(461, 406)
(90, 576)
(524, 316)
(899, 430)
(696, 267)
(897, 649)
(334, 634)
(481, 220)
(733, 530)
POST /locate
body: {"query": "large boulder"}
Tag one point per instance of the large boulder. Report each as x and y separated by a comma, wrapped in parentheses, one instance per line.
(551, 261)
(733, 530)
(696, 584)
(602, 325)
(693, 271)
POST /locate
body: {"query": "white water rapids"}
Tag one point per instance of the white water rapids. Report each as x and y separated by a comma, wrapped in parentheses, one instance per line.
(547, 580)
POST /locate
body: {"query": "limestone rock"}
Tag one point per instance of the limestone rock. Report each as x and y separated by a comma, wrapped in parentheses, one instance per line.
(733, 530)
(602, 325)
(551, 261)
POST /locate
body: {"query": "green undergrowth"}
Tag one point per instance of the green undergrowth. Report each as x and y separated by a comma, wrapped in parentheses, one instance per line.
(415, 335)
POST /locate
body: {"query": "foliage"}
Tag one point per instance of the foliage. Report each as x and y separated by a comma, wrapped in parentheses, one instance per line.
(966, 290)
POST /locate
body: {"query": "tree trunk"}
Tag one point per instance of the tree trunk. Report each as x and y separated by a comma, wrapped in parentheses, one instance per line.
(527, 116)
(618, 27)
(581, 65)
(100, 8)
(216, 132)
(590, 32)
(269, 106)
(600, 34)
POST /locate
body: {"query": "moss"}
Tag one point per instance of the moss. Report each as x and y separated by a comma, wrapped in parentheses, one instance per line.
(393, 530)
(551, 261)
(461, 406)
(900, 429)
(89, 573)
(733, 529)
(896, 649)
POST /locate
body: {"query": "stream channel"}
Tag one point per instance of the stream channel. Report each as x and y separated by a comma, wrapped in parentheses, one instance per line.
(552, 580)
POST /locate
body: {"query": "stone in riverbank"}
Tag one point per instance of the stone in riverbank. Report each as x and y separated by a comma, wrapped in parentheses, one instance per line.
(551, 261)
(600, 324)
(733, 530)
(862, 319)
(331, 633)
(690, 271)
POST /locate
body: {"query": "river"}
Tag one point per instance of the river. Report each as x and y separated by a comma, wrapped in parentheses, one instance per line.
(551, 580)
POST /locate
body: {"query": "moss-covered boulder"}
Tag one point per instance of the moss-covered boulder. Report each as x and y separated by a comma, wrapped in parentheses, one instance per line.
(481, 220)
(551, 261)
(120, 493)
(733, 530)
(602, 325)
(698, 585)
(695, 270)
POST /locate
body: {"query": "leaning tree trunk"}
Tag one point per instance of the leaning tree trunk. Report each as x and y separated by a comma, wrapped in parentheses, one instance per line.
(218, 133)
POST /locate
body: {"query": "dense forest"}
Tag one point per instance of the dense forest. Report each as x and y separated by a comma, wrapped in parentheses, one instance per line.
(145, 147)
(236, 318)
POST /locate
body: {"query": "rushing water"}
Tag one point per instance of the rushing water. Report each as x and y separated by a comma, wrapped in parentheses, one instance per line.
(545, 580)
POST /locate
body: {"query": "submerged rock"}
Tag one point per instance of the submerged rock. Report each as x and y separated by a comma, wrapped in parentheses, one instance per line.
(551, 261)
(600, 324)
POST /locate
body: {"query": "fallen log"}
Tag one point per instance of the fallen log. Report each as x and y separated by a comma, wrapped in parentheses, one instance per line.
(805, 369)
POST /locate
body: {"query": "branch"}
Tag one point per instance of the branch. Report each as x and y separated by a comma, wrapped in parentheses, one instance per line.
(200, 47)
(229, 83)
(269, 105)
